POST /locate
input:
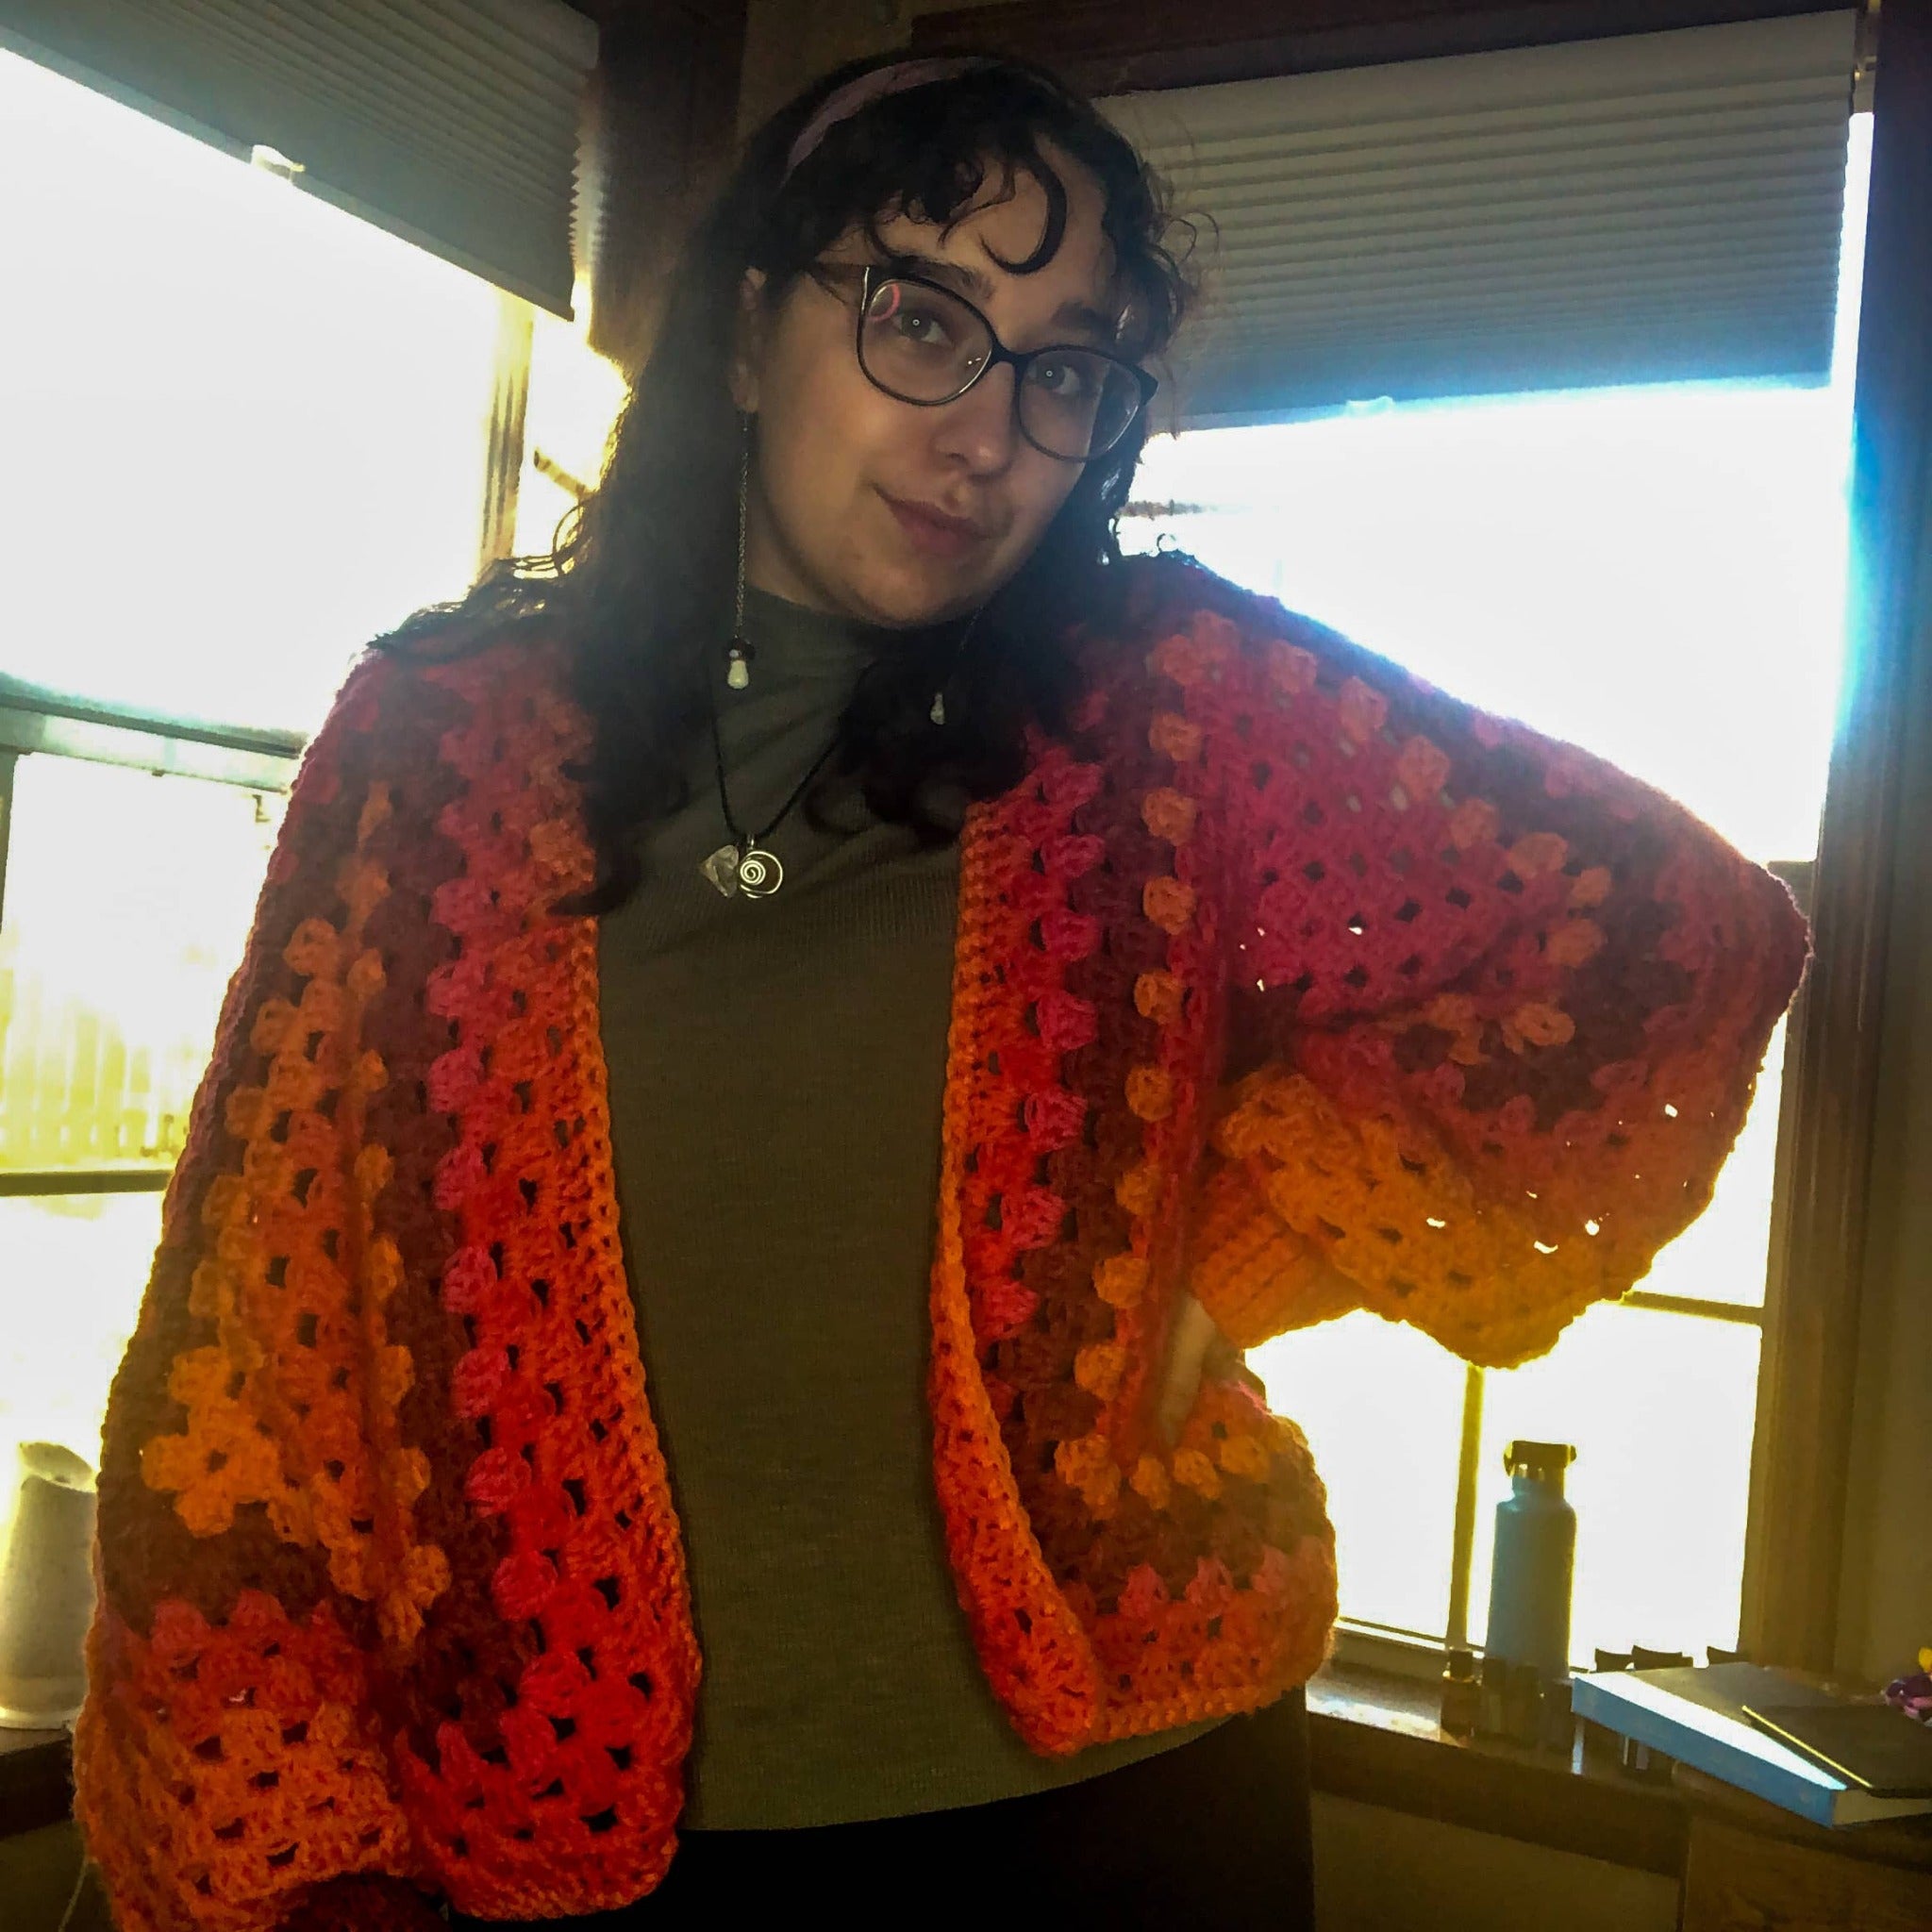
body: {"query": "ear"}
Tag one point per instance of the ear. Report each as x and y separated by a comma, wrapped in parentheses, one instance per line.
(748, 348)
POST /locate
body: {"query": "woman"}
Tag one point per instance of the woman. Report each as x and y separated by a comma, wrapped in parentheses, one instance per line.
(1262, 983)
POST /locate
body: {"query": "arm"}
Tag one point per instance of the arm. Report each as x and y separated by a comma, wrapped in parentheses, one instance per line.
(227, 1768)
(391, 1582)
(1496, 1012)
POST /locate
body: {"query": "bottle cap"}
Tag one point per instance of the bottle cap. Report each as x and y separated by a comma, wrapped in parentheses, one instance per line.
(1537, 1460)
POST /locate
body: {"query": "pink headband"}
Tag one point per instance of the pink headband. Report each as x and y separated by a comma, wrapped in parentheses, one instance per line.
(844, 101)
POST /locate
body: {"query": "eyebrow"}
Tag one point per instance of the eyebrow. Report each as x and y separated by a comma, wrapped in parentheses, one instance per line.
(978, 286)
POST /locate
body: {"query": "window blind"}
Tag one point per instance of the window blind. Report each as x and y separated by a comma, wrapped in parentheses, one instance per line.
(1651, 209)
(451, 123)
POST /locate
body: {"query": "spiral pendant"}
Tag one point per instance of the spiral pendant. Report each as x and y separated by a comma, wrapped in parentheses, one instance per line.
(754, 871)
(759, 874)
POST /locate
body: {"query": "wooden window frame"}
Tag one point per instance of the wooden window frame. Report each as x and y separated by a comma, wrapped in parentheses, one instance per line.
(1120, 47)
(1817, 1290)
(1816, 1282)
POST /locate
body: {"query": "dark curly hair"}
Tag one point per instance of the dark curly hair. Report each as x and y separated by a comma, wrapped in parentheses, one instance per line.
(639, 580)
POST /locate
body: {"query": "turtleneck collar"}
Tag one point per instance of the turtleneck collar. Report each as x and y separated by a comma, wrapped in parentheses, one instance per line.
(793, 643)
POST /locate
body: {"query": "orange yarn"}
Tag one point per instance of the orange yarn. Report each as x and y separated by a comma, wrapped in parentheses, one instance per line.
(1282, 980)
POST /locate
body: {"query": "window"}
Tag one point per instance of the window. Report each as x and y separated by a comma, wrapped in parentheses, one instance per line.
(1658, 574)
(113, 955)
(245, 432)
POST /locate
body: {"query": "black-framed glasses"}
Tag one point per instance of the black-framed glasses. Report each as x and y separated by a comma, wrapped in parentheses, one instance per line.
(921, 343)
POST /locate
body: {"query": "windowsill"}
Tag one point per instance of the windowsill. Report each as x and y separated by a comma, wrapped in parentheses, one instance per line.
(1375, 1739)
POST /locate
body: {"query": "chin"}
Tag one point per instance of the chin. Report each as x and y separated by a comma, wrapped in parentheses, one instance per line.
(907, 600)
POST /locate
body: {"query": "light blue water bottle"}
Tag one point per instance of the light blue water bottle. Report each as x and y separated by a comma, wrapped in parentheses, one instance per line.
(1535, 1555)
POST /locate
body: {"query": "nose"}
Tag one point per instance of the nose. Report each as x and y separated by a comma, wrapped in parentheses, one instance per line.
(978, 429)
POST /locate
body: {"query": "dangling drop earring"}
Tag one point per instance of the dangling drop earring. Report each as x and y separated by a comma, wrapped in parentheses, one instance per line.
(739, 653)
(937, 713)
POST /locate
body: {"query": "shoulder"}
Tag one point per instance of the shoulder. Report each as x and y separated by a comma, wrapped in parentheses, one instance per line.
(1253, 674)
(399, 690)
(438, 697)
(1180, 624)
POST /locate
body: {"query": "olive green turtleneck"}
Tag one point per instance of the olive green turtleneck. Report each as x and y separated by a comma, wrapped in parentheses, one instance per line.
(777, 1070)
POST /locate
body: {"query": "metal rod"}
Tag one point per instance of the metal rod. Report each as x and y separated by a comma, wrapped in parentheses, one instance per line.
(1462, 1550)
(1746, 1313)
(32, 700)
(83, 1180)
(74, 731)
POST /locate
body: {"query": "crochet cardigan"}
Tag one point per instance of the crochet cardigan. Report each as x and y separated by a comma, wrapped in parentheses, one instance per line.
(1282, 980)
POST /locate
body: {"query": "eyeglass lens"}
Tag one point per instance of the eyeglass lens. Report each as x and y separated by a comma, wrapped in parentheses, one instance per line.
(922, 345)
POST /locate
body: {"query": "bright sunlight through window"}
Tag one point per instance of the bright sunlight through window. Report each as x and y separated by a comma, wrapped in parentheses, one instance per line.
(245, 432)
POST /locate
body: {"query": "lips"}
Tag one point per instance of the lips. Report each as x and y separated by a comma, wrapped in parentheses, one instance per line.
(933, 532)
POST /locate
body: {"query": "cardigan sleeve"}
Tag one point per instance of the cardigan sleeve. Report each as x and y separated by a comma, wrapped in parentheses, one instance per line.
(1496, 1009)
(253, 1529)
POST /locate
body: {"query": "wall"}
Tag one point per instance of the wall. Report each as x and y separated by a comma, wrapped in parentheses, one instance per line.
(1394, 1873)
(787, 43)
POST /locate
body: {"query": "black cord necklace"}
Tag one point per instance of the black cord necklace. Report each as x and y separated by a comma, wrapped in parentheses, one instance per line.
(743, 865)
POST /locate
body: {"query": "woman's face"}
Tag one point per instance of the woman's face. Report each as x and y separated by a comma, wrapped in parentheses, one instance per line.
(886, 511)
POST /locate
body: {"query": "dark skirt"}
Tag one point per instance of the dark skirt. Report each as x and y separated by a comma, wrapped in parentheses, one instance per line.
(1212, 1835)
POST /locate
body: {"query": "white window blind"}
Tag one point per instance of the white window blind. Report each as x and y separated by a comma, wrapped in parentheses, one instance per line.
(451, 123)
(1651, 209)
